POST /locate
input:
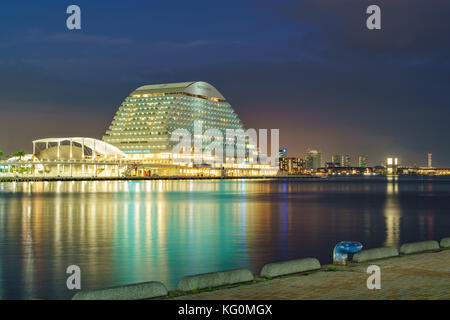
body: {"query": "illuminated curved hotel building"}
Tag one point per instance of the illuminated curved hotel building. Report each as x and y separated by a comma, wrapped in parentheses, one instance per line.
(145, 120)
(143, 126)
(140, 140)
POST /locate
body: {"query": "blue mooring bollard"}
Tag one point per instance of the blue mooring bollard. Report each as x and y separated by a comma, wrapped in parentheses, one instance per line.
(342, 249)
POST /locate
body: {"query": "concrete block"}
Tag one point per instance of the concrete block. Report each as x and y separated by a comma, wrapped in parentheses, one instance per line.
(215, 279)
(445, 243)
(139, 291)
(374, 254)
(421, 246)
(288, 267)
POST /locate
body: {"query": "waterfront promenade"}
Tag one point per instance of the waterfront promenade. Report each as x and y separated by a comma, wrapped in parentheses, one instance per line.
(417, 276)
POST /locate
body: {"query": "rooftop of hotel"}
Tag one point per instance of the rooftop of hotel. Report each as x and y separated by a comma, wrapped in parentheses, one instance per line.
(198, 88)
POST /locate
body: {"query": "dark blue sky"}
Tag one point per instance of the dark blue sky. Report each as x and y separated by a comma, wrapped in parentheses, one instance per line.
(309, 68)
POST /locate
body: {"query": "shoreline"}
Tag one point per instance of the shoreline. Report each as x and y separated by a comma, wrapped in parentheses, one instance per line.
(154, 178)
(56, 179)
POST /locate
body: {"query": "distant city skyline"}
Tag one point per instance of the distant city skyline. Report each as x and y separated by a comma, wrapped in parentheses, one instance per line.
(355, 160)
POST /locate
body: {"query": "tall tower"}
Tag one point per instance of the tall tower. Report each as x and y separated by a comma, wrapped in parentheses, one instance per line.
(430, 160)
(347, 161)
(337, 160)
(392, 166)
(282, 153)
(362, 161)
(313, 159)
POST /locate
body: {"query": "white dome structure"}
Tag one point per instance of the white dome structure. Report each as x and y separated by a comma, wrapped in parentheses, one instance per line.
(75, 148)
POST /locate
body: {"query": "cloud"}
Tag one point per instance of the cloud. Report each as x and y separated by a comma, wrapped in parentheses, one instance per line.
(86, 38)
(409, 27)
(183, 45)
(36, 36)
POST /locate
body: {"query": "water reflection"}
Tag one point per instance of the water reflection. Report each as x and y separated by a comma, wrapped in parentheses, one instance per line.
(132, 231)
(392, 213)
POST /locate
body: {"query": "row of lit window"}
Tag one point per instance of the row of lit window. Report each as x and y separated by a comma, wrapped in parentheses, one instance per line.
(140, 109)
(136, 128)
(144, 146)
(139, 133)
(112, 140)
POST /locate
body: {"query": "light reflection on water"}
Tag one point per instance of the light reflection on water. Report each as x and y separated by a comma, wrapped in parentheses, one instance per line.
(124, 232)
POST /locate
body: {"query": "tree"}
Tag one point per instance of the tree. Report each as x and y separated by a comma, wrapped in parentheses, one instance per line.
(19, 155)
(4, 156)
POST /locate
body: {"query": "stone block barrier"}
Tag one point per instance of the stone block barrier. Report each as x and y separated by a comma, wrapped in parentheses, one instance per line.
(289, 267)
(421, 246)
(138, 291)
(445, 243)
(375, 254)
(215, 279)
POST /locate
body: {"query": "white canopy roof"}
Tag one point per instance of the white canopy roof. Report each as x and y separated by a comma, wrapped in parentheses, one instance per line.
(96, 145)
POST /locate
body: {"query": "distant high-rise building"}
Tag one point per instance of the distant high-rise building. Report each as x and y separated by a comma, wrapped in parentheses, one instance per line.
(362, 161)
(392, 165)
(313, 159)
(347, 161)
(337, 160)
(282, 153)
(299, 164)
(430, 160)
(292, 165)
